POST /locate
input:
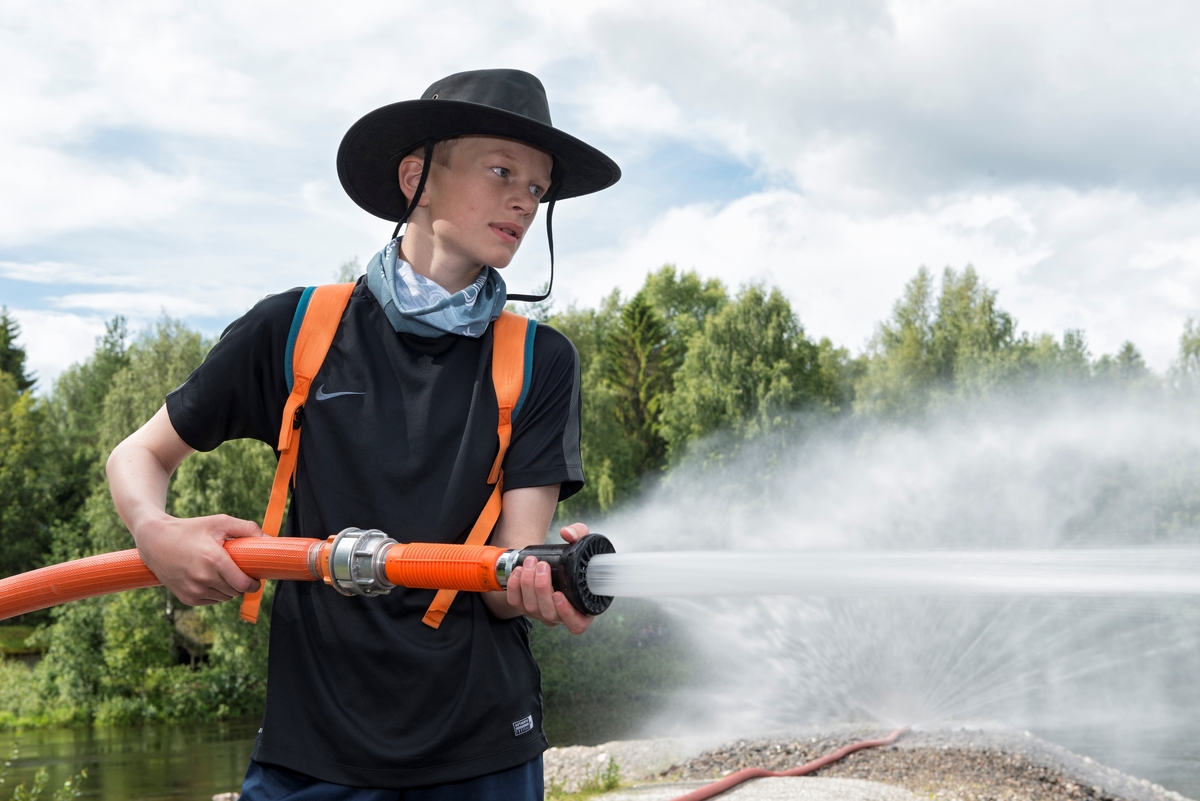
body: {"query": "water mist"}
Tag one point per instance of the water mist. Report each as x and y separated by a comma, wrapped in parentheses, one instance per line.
(1113, 673)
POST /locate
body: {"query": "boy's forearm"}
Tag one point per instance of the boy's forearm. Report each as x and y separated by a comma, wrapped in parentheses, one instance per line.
(525, 518)
(139, 471)
(185, 554)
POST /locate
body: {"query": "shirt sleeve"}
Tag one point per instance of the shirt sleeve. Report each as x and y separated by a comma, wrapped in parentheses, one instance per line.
(545, 441)
(240, 389)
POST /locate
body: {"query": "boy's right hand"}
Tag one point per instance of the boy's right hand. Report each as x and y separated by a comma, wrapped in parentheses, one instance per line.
(189, 557)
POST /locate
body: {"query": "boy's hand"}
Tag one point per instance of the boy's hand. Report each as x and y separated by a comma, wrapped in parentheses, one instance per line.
(188, 556)
(531, 592)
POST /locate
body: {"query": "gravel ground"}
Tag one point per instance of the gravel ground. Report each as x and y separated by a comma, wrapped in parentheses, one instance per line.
(955, 765)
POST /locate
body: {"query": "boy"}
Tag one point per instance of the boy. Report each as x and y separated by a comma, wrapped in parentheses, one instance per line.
(364, 701)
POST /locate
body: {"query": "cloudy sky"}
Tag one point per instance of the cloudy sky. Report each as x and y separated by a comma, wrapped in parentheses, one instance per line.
(179, 158)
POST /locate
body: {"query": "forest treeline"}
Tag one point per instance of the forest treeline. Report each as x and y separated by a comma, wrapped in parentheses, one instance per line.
(684, 369)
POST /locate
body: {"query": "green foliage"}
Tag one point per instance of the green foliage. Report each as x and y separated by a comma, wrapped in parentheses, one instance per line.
(27, 479)
(746, 372)
(14, 640)
(348, 271)
(75, 408)
(235, 479)
(639, 361)
(137, 638)
(955, 346)
(597, 782)
(1183, 378)
(114, 659)
(17, 703)
(158, 361)
(935, 346)
(683, 301)
(12, 355)
(610, 459)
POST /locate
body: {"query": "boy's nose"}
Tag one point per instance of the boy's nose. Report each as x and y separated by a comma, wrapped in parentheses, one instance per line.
(525, 205)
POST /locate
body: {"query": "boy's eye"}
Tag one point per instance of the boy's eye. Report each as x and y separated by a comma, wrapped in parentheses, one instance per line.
(501, 171)
(536, 190)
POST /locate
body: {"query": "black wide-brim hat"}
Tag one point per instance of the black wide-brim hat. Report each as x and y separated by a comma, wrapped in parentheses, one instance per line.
(506, 103)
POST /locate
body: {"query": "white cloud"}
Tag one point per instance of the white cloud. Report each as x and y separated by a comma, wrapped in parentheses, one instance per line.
(144, 305)
(188, 151)
(51, 272)
(54, 341)
(1059, 258)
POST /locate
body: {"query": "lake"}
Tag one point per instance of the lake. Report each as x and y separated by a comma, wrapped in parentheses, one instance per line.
(185, 763)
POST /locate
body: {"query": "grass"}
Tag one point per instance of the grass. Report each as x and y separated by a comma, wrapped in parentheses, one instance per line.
(594, 785)
(12, 640)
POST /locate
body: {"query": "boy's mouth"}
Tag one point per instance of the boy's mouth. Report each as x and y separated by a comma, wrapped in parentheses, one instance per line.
(510, 232)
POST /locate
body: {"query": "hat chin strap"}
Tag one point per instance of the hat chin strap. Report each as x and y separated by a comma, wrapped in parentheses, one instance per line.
(557, 173)
(412, 204)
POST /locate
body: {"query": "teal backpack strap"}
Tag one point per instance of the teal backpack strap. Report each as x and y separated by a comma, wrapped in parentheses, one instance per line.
(297, 322)
(527, 377)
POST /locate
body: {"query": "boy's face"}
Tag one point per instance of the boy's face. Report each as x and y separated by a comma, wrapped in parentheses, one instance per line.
(481, 205)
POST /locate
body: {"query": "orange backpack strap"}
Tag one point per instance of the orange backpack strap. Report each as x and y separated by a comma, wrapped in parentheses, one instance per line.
(316, 321)
(512, 370)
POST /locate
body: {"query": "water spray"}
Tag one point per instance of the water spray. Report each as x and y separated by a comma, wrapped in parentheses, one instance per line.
(1149, 571)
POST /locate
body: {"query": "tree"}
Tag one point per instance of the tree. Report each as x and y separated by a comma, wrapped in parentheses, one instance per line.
(610, 458)
(957, 346)
(1125, 368)
(132, 633)
(639, 359)
(12, 356)
(683, 301)
(74, 407)
(745, 371)
(348, 271)
(1185, 372)
(939, 347)
(27, 507)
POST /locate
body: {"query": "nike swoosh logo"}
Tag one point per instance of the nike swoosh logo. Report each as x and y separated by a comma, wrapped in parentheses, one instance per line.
(323, 395)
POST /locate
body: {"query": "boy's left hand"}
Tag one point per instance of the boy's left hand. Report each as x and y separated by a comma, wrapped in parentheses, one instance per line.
(530, 591)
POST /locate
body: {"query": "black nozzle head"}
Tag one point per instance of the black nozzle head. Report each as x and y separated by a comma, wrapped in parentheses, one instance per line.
(569, 567)
(573, 569)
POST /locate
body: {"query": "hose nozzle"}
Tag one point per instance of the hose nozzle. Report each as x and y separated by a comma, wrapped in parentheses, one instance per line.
(568, 569)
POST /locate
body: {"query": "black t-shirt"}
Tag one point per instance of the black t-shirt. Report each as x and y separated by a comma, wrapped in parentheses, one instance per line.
(359, 690)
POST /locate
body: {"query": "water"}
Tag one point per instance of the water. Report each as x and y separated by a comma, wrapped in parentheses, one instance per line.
(1032, 569)
(183, 763)
(1113, 571)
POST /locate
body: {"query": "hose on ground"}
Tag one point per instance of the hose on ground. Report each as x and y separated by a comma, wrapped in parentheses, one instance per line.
(745, 774)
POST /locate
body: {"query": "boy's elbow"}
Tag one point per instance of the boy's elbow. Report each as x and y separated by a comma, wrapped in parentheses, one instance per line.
(110, 465)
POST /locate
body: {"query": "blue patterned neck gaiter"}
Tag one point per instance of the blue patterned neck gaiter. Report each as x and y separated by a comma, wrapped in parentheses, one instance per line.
(416, 305)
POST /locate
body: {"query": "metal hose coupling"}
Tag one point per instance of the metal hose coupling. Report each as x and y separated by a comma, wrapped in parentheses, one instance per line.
(357, 562)
(568, 569)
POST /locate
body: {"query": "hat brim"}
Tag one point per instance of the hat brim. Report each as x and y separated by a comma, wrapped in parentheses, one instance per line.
(373, 147)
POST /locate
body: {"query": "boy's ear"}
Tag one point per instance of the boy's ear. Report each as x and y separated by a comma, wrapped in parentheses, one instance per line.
(410, 175)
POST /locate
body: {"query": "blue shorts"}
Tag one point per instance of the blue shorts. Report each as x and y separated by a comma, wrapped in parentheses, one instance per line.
(272, 783)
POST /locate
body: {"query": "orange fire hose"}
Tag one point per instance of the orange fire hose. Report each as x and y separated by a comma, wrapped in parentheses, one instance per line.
(745, 774)
(470, 568)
